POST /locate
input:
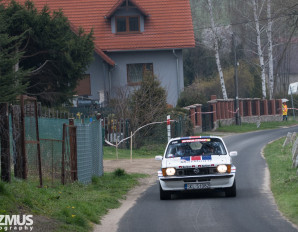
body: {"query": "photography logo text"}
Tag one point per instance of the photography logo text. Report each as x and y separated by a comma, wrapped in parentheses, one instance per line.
(16, 222)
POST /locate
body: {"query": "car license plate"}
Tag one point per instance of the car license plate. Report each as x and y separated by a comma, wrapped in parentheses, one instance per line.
(197, 186)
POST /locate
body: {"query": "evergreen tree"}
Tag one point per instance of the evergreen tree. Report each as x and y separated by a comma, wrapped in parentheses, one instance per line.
(12, 81)
(57, 56)
(148, 103)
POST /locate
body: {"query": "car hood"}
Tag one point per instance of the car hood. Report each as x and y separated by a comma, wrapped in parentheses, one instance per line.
(196, 161)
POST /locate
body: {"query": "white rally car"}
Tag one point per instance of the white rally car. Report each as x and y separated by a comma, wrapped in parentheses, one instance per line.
(196, 163)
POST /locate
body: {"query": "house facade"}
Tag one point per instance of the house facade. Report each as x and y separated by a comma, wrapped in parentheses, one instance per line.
(132, 37)
(286, 62)
(129, 68)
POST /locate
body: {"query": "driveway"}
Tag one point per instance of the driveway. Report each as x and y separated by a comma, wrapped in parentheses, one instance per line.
(109, 222)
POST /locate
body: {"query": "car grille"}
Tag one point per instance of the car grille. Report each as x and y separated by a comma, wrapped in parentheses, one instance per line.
(196, 171)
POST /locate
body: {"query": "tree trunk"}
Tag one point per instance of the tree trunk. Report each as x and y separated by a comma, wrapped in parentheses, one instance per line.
(5, 144)
(216, 48)
(270, 56)
(17, 141)
(260, 52)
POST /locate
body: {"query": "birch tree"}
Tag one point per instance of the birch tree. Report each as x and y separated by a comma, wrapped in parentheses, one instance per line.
(216, 49)
(269, 25)
(255, 39)
(256, 13)
(270, 50)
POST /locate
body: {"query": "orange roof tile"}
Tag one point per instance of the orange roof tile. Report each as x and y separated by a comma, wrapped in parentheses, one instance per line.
(168, 25)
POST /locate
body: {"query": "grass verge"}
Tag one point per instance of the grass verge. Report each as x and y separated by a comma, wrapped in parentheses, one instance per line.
(72, 207)
(248, 127)
(148, 151)
(284, 178)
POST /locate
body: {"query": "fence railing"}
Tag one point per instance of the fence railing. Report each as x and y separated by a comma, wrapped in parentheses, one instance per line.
(292, 139)
(223, 111)
(47, 148)
(115, 129)
(89, 151)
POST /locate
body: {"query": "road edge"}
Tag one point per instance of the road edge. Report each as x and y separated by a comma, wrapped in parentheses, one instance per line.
(110, 222)
(267, 186)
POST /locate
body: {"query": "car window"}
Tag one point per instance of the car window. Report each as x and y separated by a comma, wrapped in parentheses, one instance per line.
(194, 147)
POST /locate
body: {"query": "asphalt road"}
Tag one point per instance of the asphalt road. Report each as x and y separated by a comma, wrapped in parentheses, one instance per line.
(252, 210)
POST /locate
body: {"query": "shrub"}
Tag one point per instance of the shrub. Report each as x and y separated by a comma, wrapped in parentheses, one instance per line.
(147, 104)
(119, 172)
(3, 190)
(191, 95)
(201, 89)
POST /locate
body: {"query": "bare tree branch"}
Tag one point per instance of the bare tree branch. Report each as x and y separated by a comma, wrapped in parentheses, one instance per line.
(38, 69)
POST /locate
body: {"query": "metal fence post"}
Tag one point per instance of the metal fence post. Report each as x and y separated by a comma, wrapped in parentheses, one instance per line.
(24, 155)
(63, 155)
(131, 146)
(181, 121)
(73, 150)
(38, 143)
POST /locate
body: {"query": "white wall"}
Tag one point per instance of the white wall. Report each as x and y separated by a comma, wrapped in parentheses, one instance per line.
(164, 67)
(98, 76)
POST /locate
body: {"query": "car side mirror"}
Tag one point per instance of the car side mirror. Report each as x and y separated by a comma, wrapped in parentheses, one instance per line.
(233, 153)
(158, 157)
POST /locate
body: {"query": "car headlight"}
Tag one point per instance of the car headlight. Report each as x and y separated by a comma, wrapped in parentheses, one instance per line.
(224, 168)
(168, 171)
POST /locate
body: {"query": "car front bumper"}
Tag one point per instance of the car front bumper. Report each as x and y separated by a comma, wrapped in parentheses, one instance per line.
(179, 183)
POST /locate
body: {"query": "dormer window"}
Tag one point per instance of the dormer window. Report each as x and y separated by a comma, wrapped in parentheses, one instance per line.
(127, 16)
(127, 3)
(127, 24)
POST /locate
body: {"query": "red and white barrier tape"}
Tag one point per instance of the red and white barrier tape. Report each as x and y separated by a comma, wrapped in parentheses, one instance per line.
(121, 141)
(211, 112)
(235, 111)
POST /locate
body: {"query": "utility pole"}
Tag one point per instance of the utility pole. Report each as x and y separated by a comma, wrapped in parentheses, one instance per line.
(237, 118)
(292, 102)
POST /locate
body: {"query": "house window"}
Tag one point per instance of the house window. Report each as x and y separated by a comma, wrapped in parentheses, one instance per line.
(136, 72)
(127, 24)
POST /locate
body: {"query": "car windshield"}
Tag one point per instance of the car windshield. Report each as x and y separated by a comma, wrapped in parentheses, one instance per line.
(195, 146)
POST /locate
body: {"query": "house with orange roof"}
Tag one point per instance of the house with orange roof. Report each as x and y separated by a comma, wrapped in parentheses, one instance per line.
(131, 37)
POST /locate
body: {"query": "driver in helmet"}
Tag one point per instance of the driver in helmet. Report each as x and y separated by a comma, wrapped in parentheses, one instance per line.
(208, 148)
(180, 151)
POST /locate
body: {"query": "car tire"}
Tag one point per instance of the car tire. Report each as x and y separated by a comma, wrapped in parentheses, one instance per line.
(231, 192)
(164, 195)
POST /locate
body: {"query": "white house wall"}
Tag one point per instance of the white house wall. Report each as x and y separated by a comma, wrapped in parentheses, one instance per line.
(164, 67)
(98, 77)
